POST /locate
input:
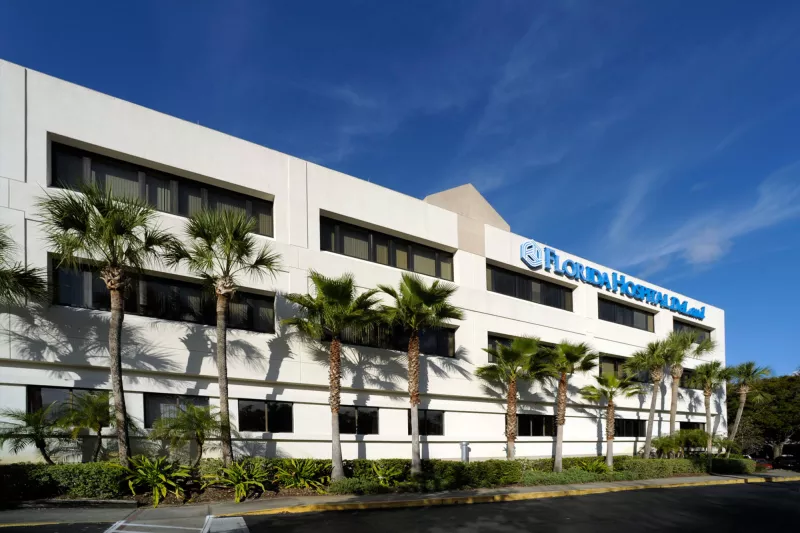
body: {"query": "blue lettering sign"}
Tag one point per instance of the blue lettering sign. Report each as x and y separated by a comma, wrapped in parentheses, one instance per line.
(536, 256)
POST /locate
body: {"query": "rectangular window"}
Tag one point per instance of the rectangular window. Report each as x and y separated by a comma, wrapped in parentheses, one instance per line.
(686, 379)
(358, 420)
(72, 168)
(430, 422)
(437, 341)
(494, 341)
(692, 425)
(60, 398)
(164, 298)
(528, 288)
(702, 333)
(610, 364)
(368, 245)
(157, 406)
(629, 428)
(271, 416)
(536, 425)
(626, 315)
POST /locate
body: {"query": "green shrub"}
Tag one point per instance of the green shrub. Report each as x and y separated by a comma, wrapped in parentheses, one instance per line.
(720, 465)
(595, 465)
(386, 473)
(571, 475)
(303, 474)
(658, 468)
(25, 481)
(362, 468)
(356, 485)
(244, 477)
(158, 475)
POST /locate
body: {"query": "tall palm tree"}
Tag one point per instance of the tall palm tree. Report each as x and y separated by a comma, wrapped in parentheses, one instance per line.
(608, 388)
(222, 249)
(38, 429)
(523, 360)
(190, 424)
(745, 377)
(90, 410)
(334, 307)
(18, 282)
(418, 307)
(652, 361)
(709, 377)
(119, 236)
(682, 345)
(566, 359)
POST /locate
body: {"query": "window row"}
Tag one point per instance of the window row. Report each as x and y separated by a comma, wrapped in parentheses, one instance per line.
(164, 298)
(702, 333)
(496, 340)
(435, 341)
(613, 311)
(347, 239)
(73, 168)
(528, 288)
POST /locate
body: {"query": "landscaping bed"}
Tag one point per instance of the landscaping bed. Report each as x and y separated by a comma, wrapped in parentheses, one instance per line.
(276, 478)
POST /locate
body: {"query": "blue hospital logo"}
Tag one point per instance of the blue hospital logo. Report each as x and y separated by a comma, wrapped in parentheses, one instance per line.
(531, 254)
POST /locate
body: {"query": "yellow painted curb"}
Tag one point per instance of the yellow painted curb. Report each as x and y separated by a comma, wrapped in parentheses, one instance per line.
(467, 500)
(782, 479)
(31, 524)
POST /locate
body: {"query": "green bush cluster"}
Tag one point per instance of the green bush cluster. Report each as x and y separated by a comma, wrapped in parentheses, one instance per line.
(26, 481)
(721, 465)
(656, 468)
(357, 485)
(574, 475)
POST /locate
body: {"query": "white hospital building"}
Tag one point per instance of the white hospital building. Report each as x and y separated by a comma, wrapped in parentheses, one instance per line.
(53, 132)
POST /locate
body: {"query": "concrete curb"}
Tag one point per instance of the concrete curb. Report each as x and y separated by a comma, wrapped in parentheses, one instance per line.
(70, 504)
(493, 498)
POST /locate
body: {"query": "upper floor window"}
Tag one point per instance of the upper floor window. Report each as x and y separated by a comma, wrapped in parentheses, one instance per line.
(430, 422)
(611, 365)
(626, 315)
(496, 340)
(73, 168)
(347, 239)
(158, 406)
(528, 288)
(358, 420)
(629, 428)
(536, 425)
(164, 298)
(436, 341)
(702, 333)
(686, 379)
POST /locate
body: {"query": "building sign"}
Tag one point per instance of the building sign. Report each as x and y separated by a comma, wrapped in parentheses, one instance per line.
(535, 256)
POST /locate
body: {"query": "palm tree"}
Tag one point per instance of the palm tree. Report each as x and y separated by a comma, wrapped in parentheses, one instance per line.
(38, 429)
(89, 411)
(651, 360)
(418, 307)
(709, 377)
(119, 236)
(682, 344)
(18, 282)
(332, 309)
(745, 377)
(190, 424)
(609, 387)
(567, 358)
(523, 360)
(222, 249)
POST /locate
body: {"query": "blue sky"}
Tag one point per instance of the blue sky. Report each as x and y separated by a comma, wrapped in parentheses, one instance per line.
(658, 138)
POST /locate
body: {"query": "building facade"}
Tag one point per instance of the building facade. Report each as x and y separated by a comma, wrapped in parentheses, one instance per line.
(53, 132)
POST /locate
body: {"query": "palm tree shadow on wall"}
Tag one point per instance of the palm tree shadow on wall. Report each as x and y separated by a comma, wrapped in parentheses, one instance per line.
(79, 338)
(720, 421)
(529, 402)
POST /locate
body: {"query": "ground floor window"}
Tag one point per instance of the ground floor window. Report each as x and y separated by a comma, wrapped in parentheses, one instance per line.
(157, 406)
(693, 425)
(358, 420)
(60, 398)
(430, 422)
(629, 428)
(536, 425)
(270, 416)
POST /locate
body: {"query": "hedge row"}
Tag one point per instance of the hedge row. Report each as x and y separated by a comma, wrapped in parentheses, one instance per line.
(27, 481)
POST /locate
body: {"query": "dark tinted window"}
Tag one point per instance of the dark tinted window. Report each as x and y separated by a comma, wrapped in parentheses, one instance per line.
(528, 288)
(610, 364)
(358, 420)
(430, 422)
(280, 417)
(164, 298)
(260, 415)
(441, 341)
(158, 406)
(702, 333)
(57, 398)
(629, 428)
(624, 314)
(494, 341)
(535, 425)
(692, 425)
(347, 239)
(165, 192)
(686, 379)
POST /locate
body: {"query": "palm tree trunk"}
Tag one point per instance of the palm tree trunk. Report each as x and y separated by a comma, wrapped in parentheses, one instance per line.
(561, 419)
(199, 452)
(739, 411)
(98, 446)
(710, 441)
(511, 419)
(335, 385)
(673, 406)
(648, 439)
(42, 447)
(222, 373)
(413, 394)
(115, 364)
(610, 434)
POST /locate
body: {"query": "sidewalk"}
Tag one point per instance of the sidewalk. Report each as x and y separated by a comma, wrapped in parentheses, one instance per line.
(189, 516)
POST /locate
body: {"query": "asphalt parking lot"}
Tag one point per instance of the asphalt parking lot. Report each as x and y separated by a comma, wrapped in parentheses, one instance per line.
(749, 508)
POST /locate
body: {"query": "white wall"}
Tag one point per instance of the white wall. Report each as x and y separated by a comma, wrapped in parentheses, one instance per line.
(67, 347)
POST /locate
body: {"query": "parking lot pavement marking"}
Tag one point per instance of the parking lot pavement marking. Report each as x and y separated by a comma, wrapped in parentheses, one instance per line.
(226, 525)
(123, 526)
